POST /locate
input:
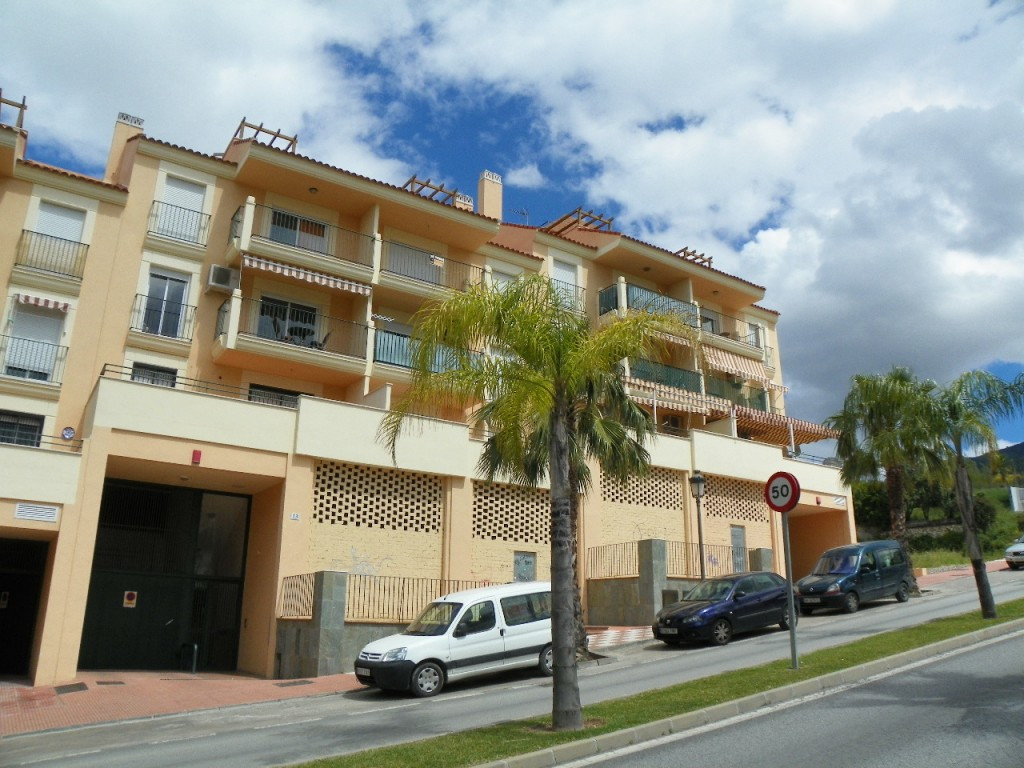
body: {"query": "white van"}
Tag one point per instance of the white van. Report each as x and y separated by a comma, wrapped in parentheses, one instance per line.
(464, 634)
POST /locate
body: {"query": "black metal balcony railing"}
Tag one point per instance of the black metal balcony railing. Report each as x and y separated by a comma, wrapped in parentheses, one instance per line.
(306, 234)
(179, 223)
(667, 375)
(314, 331)
(152, 314)
(645, 300)
(571, 294)
(52, 254)
(427, 267)
(33, 360)
(397, 349)
(183, 384)
(734, 392)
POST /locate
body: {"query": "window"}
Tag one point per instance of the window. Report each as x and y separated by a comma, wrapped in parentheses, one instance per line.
(291, 229)
(522, 609)
(153, 374)
(524, 566)
(165, 304)
(32, 350)
(60, 221)
(478, 618)
(291, 322)
(20, 428)
(180, 215)
(563, 275)
(273, 396)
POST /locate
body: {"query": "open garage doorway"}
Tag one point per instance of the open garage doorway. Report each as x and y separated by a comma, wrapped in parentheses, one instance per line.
(22, 567)
(167, 578)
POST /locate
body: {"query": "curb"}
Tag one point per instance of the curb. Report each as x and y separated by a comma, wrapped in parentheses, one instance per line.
(591, 747)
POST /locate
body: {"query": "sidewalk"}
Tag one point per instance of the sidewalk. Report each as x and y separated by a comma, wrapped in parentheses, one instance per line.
(108, 696)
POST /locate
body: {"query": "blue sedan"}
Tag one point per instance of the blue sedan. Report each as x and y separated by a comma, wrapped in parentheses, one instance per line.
(716, 609)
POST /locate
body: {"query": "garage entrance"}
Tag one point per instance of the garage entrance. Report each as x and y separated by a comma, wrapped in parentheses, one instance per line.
(166, 586)
(22, 565)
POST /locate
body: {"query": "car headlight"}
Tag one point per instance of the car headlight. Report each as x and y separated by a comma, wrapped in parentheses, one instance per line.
(395, 654)
(834, 589)
(694, 619)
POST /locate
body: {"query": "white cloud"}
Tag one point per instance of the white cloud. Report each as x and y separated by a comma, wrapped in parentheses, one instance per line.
(862, 161)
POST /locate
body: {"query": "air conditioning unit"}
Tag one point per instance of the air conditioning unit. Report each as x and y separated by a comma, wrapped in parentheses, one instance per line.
(223, 279)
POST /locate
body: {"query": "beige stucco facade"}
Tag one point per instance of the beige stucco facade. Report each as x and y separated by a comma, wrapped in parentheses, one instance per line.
(235, 327)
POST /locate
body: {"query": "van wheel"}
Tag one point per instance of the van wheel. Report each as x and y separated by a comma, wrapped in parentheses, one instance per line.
(851, 602)
(427, 680)
(547, 661)
(903, 592)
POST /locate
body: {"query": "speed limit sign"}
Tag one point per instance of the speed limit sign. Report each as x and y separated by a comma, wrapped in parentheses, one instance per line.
(782, 491)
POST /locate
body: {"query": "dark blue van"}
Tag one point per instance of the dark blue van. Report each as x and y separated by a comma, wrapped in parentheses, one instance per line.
(853, 574)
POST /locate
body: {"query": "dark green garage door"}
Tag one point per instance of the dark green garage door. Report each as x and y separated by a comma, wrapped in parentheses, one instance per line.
(166, 585)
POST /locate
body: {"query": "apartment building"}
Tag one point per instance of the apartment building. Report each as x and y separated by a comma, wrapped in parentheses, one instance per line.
(197, 350)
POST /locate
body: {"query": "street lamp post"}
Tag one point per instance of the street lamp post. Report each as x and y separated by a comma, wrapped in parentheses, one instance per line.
(697, 483)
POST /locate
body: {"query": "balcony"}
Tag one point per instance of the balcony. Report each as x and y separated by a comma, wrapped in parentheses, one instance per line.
(397, 349)
(739, 394)
(157, 316)
(573, 295)
(708, 320)
(666, 375)
(52, 254)
(179, 223)
(278, 228)
(33, 360)
(308, 330)
(428, 268)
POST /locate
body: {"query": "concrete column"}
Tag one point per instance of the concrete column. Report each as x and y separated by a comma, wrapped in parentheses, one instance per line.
(652, 562)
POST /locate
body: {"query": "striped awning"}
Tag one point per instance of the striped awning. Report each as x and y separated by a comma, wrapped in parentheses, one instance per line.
(24, 298)
(659, 396)
(737, 365)
(308, 275)
(775, 428)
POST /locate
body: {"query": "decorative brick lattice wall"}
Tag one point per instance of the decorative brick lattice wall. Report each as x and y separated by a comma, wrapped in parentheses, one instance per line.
(375, 497)
(660, 488)
(511, 513)
(737, 500)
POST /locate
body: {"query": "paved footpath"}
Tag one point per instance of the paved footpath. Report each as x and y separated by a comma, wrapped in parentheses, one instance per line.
(109, 696)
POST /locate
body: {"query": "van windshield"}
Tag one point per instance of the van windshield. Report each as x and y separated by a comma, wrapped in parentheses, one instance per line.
(434, 620)
(835, 562)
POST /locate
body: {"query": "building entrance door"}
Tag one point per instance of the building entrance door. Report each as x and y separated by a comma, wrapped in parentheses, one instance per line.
(22, 564)
(166, 586)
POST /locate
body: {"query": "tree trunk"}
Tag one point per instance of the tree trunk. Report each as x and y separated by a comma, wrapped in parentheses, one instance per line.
(566, 709)
(895, 494)
(581, 627)
(965, 501)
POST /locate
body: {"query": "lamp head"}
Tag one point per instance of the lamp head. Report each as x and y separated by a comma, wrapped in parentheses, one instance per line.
(697, 482)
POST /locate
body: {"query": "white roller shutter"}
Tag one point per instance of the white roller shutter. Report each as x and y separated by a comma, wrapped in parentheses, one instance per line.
(60, 221)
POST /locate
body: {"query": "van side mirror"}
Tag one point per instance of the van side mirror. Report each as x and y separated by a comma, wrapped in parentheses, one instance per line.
(459, 631)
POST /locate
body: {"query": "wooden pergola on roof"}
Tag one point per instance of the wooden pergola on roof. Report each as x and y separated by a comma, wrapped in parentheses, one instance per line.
(579, 219)
(247, 130)
(691, 255)
(426, 189)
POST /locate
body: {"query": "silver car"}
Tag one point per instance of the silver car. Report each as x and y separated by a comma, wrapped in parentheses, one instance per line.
(1015, 554)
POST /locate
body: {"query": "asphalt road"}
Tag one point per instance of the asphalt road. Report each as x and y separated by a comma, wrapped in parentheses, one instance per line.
(962, 709)
(282, 733)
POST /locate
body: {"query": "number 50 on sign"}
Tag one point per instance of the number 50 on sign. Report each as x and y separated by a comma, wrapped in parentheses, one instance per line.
(782, 491)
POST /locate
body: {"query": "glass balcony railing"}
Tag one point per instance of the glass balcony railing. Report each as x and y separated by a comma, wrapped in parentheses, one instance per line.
(740, 394)
(666, 375)
(397, 349)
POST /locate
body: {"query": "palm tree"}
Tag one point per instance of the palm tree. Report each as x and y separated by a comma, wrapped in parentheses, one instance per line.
(546, 365)
(967, 408)
(887, 427)
(608, 426)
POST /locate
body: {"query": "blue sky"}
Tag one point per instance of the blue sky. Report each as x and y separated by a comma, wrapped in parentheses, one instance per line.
(860, 159)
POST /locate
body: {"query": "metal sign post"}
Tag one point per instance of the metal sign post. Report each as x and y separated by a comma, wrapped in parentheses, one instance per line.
(782, 492)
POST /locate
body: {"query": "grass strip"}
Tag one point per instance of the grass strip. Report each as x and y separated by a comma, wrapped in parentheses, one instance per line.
(502, 740)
